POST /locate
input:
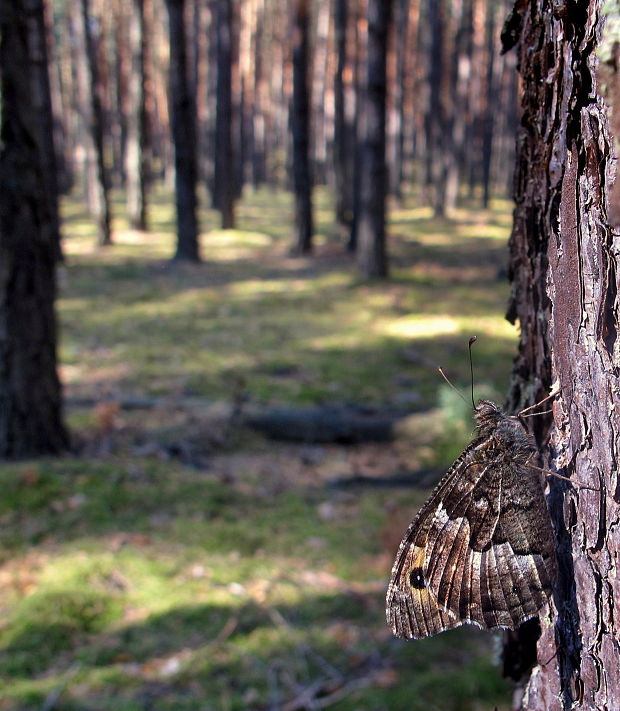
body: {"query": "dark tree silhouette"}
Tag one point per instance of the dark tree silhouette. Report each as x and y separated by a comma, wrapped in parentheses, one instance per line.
(30, 394)
(102, 204)
(224, 179)
(371, 240)
(183, 118)
(344, 128)
(300, 128)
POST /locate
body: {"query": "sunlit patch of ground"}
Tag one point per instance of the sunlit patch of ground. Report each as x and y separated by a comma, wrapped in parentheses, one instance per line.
(177, 561)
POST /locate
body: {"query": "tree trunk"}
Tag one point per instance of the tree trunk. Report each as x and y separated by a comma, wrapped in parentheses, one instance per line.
(371, 247)
(490, 108)
(438, 135)
(183, 120)
(564, 271)
(50, 137)
(397, 122)
(300, 129)
(30, 394)
(360, 43)
(92, 29)
(224, 178)
(136, 165)
(344, 120)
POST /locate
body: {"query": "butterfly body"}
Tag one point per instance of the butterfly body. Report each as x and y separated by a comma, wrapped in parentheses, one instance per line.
(481, 549)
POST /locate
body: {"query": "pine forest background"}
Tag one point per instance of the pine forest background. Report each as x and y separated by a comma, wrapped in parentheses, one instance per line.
(251, 311)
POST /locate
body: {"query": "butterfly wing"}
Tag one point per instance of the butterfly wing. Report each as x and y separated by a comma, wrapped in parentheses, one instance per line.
(412, 606)
(479, 551)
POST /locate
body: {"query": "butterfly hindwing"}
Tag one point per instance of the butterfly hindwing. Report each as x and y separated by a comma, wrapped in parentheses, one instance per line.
(480, 550)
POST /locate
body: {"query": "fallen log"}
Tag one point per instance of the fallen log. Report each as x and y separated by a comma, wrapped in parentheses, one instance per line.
(337, 423)
(340, 424)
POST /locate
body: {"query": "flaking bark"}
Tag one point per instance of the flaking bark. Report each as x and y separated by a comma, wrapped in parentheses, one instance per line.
(563, 267)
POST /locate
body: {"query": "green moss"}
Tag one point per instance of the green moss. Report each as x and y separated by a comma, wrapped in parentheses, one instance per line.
(128, 580)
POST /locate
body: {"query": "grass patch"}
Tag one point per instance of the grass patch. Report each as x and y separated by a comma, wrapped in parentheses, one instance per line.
(134, 577)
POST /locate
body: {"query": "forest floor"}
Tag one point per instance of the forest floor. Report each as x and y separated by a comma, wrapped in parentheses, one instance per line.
(177, 560)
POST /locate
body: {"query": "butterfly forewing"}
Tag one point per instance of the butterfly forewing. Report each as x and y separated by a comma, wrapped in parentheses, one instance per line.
(481, 548)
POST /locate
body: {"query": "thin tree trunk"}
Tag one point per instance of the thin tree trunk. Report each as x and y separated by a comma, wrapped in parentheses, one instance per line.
(437, 133)
(564, 271)
(30, 393)
(259, 164)
(224, 178)
(360, 33)
(183, 120)
(371, 248)
(136, 165)
(300, 128)
(490, 108)
(91, 37)
(344, 136)
(398, 109)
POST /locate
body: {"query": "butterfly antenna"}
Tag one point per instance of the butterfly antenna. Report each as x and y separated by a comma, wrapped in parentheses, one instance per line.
(472, 340)
(456, 390)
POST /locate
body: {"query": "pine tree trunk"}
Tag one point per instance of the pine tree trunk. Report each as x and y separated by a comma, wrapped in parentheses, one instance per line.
(30, 394)
(47, 124)
(564, 271)
(300, 128)
(224, 178)
(91, 38)
(136, 167)
(183, 119)
(371, 241)
(343, 129)
(490, 108)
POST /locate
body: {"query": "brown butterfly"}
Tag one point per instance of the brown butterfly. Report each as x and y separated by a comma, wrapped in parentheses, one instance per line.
(481, 549)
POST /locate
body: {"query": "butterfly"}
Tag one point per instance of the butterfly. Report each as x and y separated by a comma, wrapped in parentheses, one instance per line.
(481, 549)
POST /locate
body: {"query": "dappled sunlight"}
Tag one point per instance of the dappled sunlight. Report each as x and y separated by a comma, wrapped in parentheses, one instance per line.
(418, 326)
(421, 326)
(132, 321)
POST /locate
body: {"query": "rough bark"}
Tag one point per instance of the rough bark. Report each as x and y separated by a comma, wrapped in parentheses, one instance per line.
(371, 247)
(183, 123)
(92, 28)
(30, 396)
(300, 129)
(564, 270)
(224, 179)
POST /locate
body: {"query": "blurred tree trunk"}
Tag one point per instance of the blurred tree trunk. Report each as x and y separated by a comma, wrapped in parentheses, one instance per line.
(564, 271)
(397, 113)
(259, 162)
(30, 393)
(92, 39)
(60, 166)
(136, 166)
(183, 120)
(343, 130)
(42, 103)
(360, 37)
(491, 107)
(224, 177)
(320, 79)
(371, 241)
(438, 136)
(300, 129)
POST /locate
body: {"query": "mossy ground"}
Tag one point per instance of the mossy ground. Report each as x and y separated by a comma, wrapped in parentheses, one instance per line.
(134, 575)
